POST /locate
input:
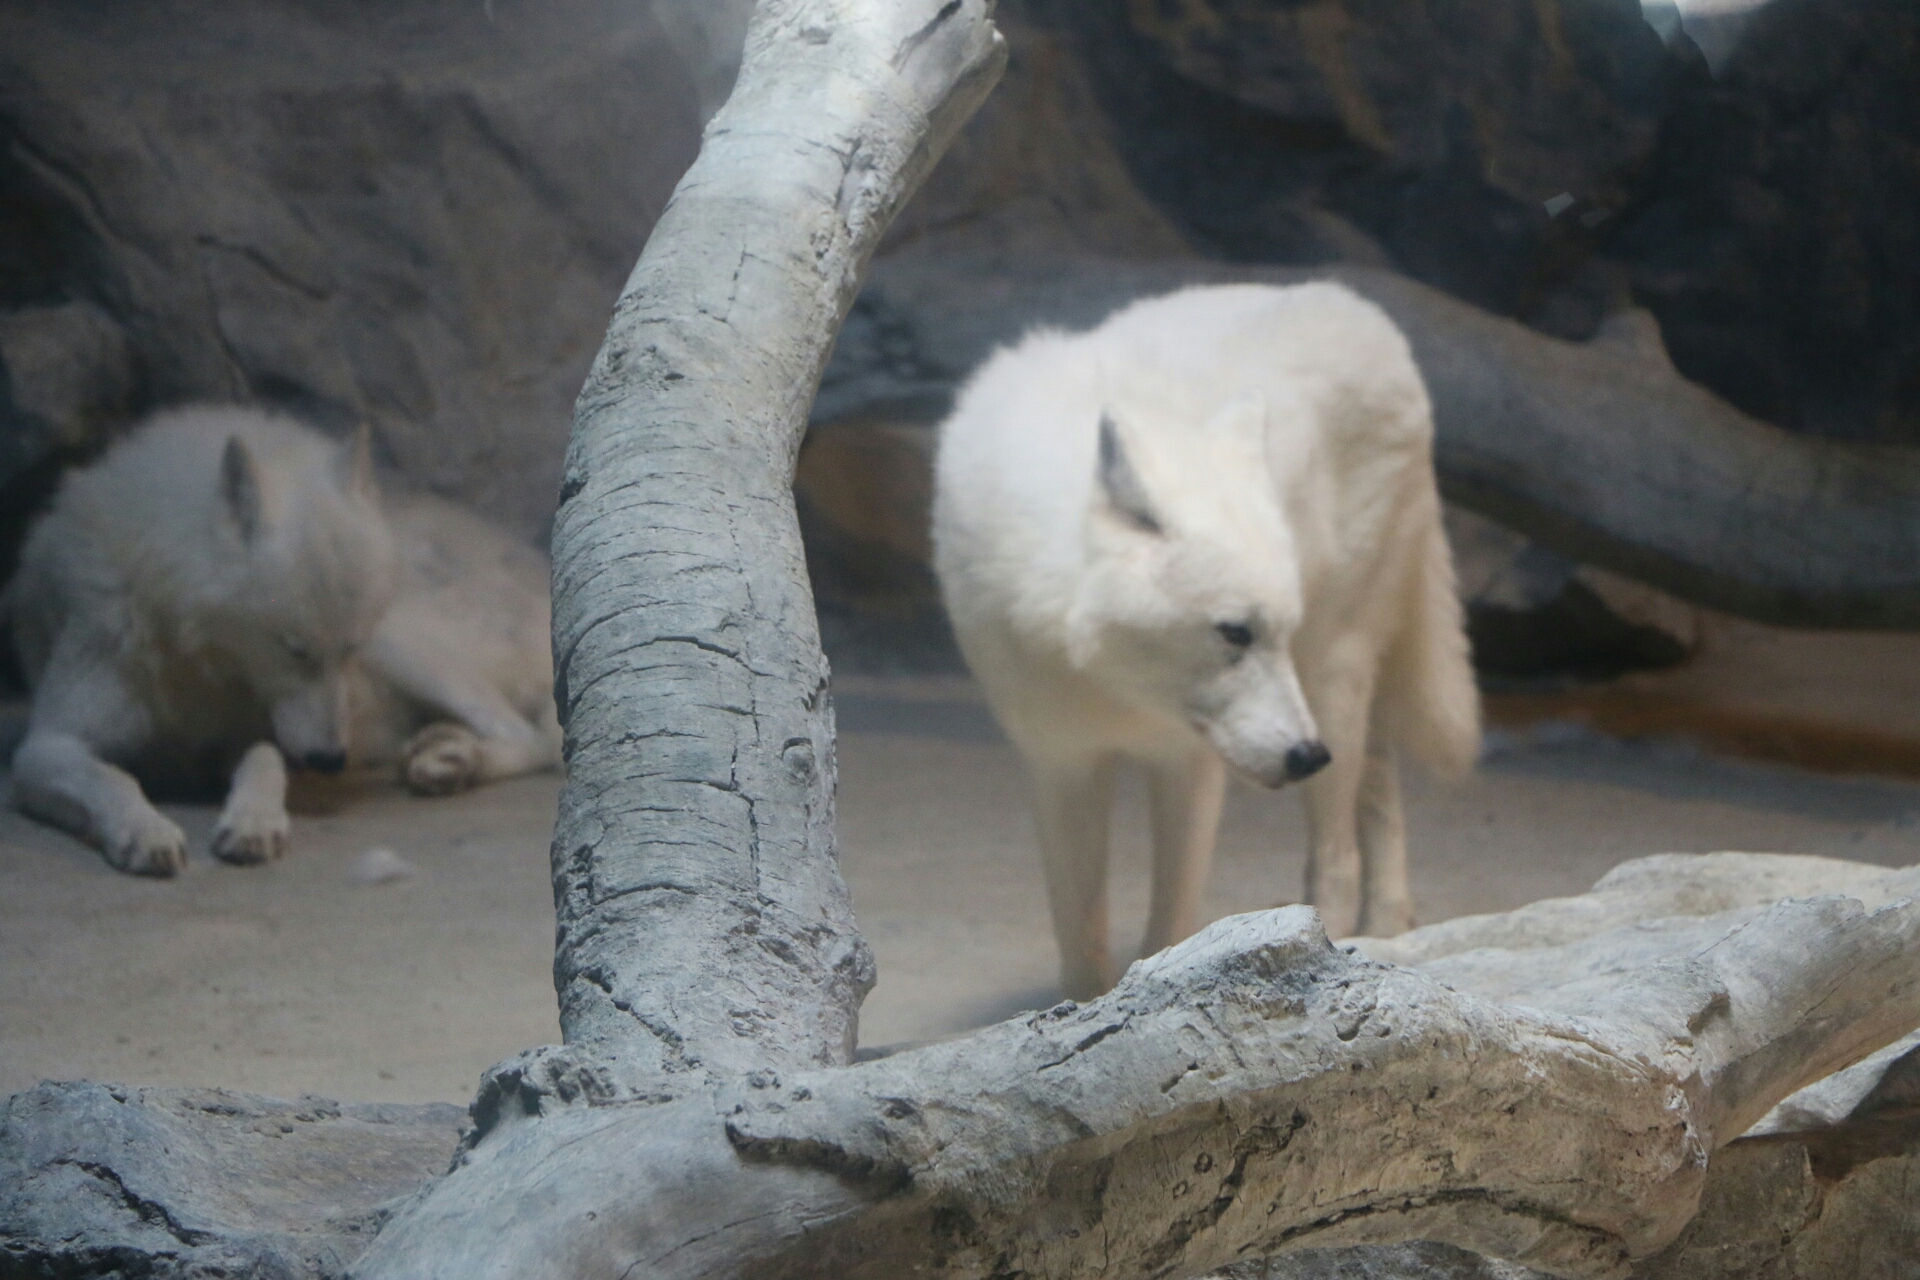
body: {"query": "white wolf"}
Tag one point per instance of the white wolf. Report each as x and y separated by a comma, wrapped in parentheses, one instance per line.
(226, 580)
(1208, 531)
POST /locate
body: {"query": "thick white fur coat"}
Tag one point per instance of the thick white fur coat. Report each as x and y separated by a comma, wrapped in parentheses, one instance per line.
(226, 592)
(1247, 568)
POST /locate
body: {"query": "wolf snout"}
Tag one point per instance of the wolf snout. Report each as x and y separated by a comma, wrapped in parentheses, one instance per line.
(324, 761)
(1304, 759)
(1300, 761)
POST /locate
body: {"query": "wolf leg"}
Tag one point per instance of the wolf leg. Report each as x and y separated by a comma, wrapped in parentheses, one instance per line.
(253, 823)
(58, 779)
(1185, 796)
(450, 756)
(1340, 706)
(1387, 900)
(485, 739)
(1071, 803)
(1333, 846)
(441, 759)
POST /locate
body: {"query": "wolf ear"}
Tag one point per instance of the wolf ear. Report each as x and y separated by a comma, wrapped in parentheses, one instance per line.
(1125, 494)
(356, 461)
(240, 487)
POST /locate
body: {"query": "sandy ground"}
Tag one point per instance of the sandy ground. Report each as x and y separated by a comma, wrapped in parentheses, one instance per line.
(296, 977)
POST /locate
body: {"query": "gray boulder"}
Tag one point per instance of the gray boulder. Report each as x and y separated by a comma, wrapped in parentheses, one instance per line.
(417, 216)
(1486, 147)
(1778, 238)
(180, 1184)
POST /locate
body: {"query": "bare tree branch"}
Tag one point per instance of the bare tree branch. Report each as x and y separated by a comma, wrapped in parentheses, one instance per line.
(1663, 886)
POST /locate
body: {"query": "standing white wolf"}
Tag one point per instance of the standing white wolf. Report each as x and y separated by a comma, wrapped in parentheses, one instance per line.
(226, 580)
(1208, 531)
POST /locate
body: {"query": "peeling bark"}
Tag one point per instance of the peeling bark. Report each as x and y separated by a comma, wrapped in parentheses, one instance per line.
(1209, 1108)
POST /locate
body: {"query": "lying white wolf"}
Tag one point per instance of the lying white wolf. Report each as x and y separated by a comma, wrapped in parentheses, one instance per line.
(1208, 530)
(226, 580)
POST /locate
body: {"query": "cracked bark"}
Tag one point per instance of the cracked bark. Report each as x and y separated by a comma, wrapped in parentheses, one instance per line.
(147, 1211)
(694, 871)
(1251, 1090)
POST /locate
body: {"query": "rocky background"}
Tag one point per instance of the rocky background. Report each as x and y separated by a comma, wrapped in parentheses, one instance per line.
(415, 215)
(419, 216)
(1548, 162)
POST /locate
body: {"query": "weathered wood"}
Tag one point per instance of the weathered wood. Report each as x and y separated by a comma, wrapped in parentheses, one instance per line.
(703, 923)
(1603, 450)
(1252, 1090)
(115, 1181)
(1545, 1084)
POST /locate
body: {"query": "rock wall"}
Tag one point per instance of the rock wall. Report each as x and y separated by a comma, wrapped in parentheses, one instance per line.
(1778, 235)
(419, 216)
(414, 215)
(1549, 161)
(1482, 147)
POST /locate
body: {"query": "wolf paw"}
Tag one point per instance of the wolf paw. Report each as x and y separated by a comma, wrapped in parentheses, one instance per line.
(149, 845)
(442, 759)
(1386, 919)
(1339, 913)
(247, 838)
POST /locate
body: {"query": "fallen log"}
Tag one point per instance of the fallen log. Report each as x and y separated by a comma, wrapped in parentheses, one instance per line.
(1250, 1091)
(1256, 1087)
(1600, 449)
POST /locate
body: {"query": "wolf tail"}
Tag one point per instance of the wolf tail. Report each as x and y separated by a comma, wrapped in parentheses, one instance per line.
(1431, 703)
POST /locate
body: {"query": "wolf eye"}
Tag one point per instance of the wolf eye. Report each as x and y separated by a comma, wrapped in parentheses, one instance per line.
(1237, 634)
(297, 651)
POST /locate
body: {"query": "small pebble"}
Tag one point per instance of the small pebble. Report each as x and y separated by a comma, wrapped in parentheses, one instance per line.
(379, 865)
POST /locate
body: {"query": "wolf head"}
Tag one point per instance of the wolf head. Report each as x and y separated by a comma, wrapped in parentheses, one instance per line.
(1190, 594)
(315, 574)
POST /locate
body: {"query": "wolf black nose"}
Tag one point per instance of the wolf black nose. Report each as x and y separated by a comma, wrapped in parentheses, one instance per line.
(1304, 759)
(335, 761)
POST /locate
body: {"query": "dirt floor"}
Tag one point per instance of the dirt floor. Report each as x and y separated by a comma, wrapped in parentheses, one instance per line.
(302, 977)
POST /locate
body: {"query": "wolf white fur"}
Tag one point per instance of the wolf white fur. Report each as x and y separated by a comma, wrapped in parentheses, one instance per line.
(226, 592)
(1206, 534)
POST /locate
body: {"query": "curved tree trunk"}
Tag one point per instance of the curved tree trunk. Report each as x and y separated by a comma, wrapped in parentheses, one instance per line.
(703, 923)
